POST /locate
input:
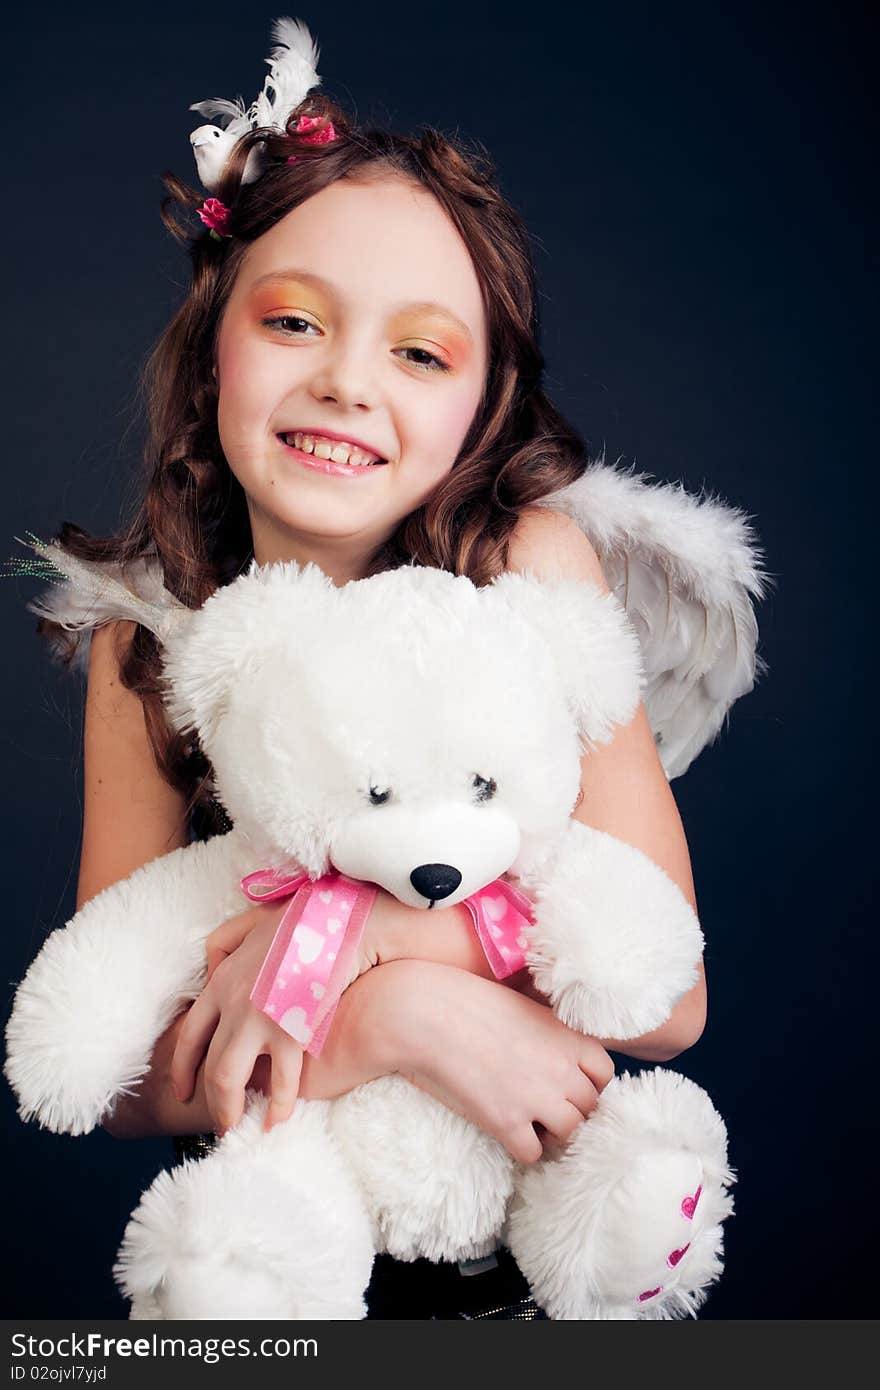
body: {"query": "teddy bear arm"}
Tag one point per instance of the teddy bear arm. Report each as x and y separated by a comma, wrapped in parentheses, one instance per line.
(105, 986)
(615, 942)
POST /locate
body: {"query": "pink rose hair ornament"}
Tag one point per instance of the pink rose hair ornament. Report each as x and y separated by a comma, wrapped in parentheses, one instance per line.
(292, 75)
(215, 215)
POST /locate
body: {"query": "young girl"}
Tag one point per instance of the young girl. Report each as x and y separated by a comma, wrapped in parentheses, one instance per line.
(374, 294)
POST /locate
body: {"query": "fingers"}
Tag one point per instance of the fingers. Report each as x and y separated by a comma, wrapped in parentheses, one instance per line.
(564, 1119)
(228, 1067)
(199, 1024)
(557, 1119)
(524, 1145)
(227, 938)
(583, 1094)
(287, 1059)
(595, 1063)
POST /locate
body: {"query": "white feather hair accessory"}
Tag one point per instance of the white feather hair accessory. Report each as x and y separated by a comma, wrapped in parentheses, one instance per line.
(292, 75)
(686, 569)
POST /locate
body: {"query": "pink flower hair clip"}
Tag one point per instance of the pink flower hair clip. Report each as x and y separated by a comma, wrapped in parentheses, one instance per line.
(321, 137)
(215, 215)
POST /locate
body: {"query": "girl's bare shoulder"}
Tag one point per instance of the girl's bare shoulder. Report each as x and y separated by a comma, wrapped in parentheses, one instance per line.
(551, 545)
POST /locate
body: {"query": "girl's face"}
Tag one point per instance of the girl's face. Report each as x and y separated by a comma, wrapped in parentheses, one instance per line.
(359, 315)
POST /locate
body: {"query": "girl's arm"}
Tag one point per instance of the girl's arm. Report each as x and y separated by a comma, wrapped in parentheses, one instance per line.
(503, 1061)
(624, 789)
(130, 813)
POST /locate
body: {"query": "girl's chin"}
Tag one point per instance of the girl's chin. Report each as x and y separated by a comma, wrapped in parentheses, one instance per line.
(290, 515)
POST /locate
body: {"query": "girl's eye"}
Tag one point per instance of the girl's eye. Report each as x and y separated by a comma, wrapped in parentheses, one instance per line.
(289, 318)
(434, 363)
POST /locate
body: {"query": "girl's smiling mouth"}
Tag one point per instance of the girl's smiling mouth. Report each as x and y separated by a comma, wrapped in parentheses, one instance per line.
(329, 456)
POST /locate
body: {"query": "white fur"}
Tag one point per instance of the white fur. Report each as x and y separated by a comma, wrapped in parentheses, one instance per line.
(103, 988)
(592, 1230)
(437, 1187)
(304, 697)
(272, 1227)
(615, 944)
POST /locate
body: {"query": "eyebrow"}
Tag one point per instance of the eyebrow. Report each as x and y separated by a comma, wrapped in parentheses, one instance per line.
(420, 306)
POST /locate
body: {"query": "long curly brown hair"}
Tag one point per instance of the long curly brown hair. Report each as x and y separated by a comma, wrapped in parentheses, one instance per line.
(193, 514)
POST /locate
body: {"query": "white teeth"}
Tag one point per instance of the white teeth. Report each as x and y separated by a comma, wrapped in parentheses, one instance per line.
(327, 449)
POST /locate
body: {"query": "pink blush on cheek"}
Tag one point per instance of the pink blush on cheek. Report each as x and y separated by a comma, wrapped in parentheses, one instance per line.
(457, 417)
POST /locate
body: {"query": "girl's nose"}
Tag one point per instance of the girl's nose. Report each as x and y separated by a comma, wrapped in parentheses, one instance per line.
(346, 376)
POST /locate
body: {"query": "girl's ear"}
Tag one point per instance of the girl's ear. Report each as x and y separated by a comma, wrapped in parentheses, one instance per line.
(595, 648)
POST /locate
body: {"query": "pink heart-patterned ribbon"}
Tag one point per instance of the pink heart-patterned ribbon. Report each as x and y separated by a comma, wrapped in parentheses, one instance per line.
(313, 952)
(310, 961)
(502, 916)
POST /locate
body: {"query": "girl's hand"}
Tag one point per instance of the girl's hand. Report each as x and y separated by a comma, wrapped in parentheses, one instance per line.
(236, 1034)
(233, 1030)
(500, 1059)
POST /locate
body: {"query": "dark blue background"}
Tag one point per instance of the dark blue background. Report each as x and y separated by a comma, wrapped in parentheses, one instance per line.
(696, 184)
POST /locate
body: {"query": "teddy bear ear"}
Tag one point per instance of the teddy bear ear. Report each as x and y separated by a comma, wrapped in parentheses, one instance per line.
(595, 647)
(202, 661)
(196, 685)
(236, 633)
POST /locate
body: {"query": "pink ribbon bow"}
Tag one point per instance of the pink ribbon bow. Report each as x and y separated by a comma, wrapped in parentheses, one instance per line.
(313, 952)
(310, 961)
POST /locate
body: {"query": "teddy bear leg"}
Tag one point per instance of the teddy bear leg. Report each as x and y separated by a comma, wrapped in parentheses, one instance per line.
(268, 1226)
(627, 1222)
(439, 1188)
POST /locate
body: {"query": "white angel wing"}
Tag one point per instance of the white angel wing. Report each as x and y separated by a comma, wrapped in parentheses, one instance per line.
(687, 570)
(85, 594)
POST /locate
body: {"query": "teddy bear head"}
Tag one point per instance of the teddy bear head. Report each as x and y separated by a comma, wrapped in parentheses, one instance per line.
(409, 729)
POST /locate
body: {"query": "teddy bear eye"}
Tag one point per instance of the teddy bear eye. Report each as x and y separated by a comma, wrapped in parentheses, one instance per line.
(485, 787)
(377, 797)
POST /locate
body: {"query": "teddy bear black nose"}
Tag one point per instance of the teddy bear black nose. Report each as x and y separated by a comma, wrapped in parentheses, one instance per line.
(435, 880)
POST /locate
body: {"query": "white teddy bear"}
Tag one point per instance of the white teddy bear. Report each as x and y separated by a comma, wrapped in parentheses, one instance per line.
(305, 698)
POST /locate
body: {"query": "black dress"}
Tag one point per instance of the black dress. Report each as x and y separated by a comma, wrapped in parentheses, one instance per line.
(492, 1288)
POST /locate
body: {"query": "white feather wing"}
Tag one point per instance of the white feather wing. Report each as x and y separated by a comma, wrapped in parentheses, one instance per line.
(85, 594)
(687, 569)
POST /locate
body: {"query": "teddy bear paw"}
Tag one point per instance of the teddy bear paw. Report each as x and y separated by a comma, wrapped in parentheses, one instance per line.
(643, 1184)
(213, 1240)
